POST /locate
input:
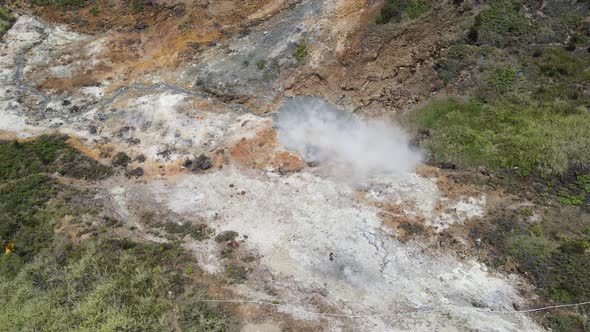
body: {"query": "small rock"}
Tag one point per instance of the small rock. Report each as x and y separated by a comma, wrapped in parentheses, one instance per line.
(202, 163)
(136, 172)
(140, 158)
(141, 26)
(187, 164)
(66, 102)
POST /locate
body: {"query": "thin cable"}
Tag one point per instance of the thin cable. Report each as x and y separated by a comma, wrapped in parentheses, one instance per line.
(417, 311)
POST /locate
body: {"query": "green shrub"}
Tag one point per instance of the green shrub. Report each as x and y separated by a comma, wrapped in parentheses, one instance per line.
(300, 52)
(459, 58)
(502, 79)
(137, 6)
(583, 181)
(566, 323)
(417, 8)
(260, 64)
(6, 19)
(494, 25)
(555, 62)
(95, 11)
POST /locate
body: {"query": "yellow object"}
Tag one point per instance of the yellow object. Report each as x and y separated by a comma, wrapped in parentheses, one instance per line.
(9, 247)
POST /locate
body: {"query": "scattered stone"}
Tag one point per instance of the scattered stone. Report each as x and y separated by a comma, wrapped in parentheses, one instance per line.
(121, 159)
(133, 141)
(66, 102)
(141, 25)
(136, 172)
(187, 164)
(179, 11)
(202, 163)
(140, 158)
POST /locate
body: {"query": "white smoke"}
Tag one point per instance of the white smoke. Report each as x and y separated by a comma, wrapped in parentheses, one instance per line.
(343, 144)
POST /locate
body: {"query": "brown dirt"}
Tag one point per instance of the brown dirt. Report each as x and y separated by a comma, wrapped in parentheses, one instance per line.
(262, 152)
(384, 68)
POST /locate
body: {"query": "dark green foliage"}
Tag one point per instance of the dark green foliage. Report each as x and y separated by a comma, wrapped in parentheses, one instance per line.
(497, 24)
(459, 58)
(556, 265)
(236, 274)
(6, 20)
(300, 52)
(47, 154)
(555, 62)
(203, 316)
(109, 285)
(394, 10)
(260, 64)
(48, 283)
(197, 232)
(567, 323)
(137, 6)
(59, 3)
(412, 228)
(121, 159)
(23, 215)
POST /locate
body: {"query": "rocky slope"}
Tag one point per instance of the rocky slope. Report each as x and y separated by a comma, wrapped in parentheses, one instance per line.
(188, 91)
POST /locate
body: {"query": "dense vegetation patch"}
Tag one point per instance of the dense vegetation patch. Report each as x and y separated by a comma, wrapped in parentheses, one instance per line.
(6, 20)
(554, 253)
(546, 137)
(47, 154)
(53, 282)
(526, 107)
(523, 70)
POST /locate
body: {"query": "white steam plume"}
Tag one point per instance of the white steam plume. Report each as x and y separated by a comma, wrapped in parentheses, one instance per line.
(343, 144)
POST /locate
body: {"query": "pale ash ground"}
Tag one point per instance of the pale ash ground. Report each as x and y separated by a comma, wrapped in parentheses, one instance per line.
(292, 222)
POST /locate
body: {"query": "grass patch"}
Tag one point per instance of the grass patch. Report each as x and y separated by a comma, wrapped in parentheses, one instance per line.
(47, 154)
(260, 64)
(502, 79)
(59, 3)
(546, 137)
(95, 11)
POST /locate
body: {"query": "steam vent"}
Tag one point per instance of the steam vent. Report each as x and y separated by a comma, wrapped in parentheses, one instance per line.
(294, 165)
